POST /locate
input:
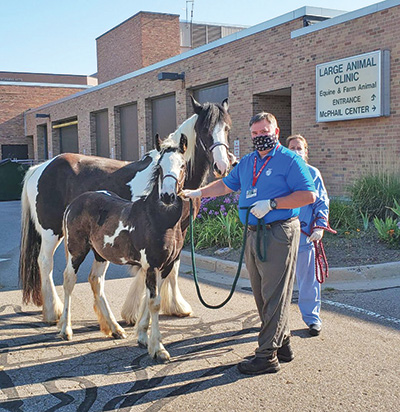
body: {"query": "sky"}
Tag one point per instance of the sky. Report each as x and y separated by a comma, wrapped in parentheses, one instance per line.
(58, 36)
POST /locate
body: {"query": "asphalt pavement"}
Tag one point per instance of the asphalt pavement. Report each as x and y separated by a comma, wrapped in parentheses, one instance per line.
(354, 365)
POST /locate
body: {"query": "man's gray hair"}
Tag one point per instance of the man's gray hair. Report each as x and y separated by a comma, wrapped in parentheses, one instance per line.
(261, 116)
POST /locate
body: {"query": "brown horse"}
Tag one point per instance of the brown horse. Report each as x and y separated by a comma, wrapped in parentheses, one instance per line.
(145, 234)
(50, 187)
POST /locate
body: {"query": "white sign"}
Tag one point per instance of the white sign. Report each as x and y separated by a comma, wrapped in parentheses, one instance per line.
(353, 88)
(236, 148)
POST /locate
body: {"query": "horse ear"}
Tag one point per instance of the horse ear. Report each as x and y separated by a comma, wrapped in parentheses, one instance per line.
(197, 107)
(225, 104)
(183, 143)
(158, 142)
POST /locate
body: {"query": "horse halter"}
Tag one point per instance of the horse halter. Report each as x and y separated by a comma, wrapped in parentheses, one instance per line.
(179, 182)
(213, 146)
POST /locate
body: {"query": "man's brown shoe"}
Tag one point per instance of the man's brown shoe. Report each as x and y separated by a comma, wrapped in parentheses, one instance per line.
(258, 365)
(285, 352)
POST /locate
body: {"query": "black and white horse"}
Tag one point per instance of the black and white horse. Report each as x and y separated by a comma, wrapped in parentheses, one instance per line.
(51, 186)
(145, 234)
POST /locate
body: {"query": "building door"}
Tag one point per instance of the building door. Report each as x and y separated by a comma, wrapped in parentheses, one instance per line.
(214, 94)
(102, 139)
(69, 139)
(163, 116)
(129, 132)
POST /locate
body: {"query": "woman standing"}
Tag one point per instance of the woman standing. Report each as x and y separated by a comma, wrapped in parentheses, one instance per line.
(312, 217)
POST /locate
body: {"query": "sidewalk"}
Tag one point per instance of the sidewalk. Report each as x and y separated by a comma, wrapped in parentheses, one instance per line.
(384, 275)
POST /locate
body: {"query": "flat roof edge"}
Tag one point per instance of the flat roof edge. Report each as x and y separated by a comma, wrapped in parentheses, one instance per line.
(285, 18)
(59, 85)
(352, 15)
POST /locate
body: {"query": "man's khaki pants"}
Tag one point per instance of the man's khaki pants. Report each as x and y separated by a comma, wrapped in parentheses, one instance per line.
(272, 281)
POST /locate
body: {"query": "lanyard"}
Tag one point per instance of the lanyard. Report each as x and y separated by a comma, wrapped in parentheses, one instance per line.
(256, 176)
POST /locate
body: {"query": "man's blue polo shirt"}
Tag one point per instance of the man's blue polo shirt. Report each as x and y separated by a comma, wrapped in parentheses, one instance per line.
(285, 173)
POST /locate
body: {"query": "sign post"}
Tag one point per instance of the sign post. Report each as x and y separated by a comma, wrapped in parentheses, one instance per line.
(353, 88)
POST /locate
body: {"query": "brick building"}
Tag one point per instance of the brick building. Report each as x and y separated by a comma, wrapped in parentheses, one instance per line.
(272, 66)
(22, 91)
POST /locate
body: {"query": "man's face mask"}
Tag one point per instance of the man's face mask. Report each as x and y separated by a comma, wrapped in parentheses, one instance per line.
(265, 142)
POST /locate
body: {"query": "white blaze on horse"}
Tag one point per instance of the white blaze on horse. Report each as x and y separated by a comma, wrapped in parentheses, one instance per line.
(50, 187)
(145, 234)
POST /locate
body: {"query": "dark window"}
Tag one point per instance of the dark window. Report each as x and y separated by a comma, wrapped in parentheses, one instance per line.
(14, 151)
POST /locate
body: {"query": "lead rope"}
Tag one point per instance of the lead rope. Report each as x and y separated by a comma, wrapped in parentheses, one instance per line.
(321, 262)
(194, 263)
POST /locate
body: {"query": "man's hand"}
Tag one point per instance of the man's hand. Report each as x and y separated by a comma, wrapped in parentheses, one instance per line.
(316, 235)
(261, 208)
(192, 194)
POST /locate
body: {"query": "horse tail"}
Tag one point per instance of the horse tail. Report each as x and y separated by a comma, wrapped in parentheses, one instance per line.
(29, 272)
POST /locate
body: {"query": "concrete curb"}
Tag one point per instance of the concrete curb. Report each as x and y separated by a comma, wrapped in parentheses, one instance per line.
(353, 273)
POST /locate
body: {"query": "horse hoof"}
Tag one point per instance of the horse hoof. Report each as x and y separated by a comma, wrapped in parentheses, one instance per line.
(120, 334)
(162, 356)
(142, 345)
(65, 336)
(183, 315)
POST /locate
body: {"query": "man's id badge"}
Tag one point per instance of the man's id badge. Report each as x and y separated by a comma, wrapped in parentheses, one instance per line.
(251, 193)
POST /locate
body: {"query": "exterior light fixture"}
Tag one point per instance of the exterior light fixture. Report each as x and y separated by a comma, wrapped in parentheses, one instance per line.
(171, 76)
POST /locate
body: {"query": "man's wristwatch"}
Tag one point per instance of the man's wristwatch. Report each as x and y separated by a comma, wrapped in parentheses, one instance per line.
(273, 204)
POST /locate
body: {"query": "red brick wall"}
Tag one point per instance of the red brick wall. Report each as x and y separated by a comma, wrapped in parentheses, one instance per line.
(261, 64)
(346, 149)
(140, 41)
(14, 100)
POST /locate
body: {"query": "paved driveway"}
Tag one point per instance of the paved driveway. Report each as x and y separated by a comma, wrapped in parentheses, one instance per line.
(354, 365)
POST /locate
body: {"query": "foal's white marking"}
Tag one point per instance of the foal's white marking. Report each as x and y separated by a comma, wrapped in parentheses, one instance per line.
(139, 183)
(220, 152)
(109, 240)
(360, 310)
(104, 192)
(175, 161)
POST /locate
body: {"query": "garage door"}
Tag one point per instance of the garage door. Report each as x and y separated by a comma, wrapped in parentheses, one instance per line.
(69, 139)
(214, 94)
(163, 116)
(129, 132)
(102, 141)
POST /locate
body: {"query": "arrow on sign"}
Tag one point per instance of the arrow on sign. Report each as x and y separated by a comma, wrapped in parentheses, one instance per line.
(373, 107)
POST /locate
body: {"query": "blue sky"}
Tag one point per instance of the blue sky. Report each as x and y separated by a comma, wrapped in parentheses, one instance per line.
(55, 36)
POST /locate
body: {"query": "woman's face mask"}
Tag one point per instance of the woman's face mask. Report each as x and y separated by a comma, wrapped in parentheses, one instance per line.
(301, 153)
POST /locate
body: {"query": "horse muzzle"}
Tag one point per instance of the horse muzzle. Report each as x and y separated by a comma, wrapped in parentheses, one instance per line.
(168, 198)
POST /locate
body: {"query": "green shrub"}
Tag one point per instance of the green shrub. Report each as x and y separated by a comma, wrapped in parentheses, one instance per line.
(374, 194)
(222, 230)
(343, 216)
(388, 230)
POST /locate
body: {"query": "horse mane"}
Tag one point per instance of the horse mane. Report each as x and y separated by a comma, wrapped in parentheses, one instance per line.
(187, 128)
